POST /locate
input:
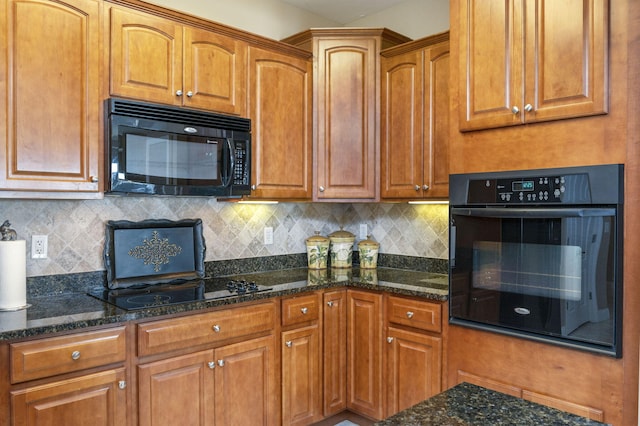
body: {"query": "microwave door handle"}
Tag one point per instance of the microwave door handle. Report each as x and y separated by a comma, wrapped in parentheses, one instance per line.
(542, 213)
(232, 162)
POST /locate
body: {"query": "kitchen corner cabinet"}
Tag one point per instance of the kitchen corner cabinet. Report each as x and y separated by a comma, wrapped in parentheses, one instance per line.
(364, 354)
(49, 84)
(280, 112)
(413, 352)
(415, 119)
(158, 60)
(63, 392)
(346, 110)
(532, 60)
(301, 383)
(335, 352)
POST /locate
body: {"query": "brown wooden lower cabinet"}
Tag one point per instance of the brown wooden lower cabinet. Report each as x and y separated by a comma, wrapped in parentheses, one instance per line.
(364, 353)
(93, 399)
(334, 353)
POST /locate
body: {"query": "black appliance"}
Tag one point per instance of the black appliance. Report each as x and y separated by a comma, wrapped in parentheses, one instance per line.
(538, 254)
(163, 150)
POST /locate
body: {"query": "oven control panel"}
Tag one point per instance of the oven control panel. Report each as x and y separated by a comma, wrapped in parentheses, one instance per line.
(572, 189)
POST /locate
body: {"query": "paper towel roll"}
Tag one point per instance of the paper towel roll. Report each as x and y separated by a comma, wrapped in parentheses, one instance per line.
(13, 275)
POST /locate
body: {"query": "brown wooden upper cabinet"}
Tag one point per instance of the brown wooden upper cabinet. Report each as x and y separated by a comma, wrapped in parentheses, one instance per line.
(50, 141)
(346, 109)
(415, 119)
(280, 112)
(532, 60)
(158, 60)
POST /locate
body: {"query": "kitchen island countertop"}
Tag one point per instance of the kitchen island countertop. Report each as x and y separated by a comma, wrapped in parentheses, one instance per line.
(470, 405)
(52, 313)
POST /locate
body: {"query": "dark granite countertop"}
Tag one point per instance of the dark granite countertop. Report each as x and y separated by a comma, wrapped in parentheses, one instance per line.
(51, 313)
(467, 404)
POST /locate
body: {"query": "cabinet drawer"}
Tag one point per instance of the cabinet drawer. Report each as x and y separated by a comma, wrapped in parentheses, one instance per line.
(301, 309)
(171, 334)
(56, 355)
(415, 313)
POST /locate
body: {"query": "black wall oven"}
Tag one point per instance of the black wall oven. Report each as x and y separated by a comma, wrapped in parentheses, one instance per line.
(538, 254)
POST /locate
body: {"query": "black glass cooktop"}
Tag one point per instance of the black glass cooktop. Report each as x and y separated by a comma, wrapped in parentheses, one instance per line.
(154, 295)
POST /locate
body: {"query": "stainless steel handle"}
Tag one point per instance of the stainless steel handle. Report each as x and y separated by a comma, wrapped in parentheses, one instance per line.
(189, 93)
(389, 339)
(75, 355)
(178, 92)
(515, 110)
(253, 187)
(321, 188)
(417, 187)
(330, 303)
(122, 384)
(221, 362)
(409, 314)
(304, 311)
(425, 187)
(528, 107)
(94, 179)
(211, 365)
(289, 343)
(216, 328)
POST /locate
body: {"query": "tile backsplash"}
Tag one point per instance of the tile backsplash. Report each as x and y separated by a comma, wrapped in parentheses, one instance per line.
(75, 229)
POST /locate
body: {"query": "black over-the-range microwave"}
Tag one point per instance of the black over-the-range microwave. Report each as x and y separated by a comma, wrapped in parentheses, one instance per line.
(163, 150)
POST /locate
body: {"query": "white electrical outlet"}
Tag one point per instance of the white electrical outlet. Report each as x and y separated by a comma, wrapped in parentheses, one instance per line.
(363, 231)
(38, 246)
(268, 235)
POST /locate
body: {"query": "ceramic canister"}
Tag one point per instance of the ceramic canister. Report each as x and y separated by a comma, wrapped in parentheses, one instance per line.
(341, 250)
(368, 250)
(317, 251)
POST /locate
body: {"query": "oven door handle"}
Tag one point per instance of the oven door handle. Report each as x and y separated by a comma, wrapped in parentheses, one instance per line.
(231, 162)
(543, 213)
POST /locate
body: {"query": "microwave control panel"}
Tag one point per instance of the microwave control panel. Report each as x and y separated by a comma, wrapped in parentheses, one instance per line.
(573, 189)
(241, 168)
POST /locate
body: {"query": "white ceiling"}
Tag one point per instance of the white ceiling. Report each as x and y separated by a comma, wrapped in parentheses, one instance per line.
(343, 11)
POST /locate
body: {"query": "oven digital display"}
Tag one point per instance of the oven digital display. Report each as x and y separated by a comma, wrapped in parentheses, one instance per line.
(522, 185)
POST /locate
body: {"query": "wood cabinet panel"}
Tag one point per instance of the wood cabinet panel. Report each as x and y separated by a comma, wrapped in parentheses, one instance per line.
(177, 390)
(298, 310)
(51, 126)
(415, 313)
(334, 352)
(531, 61)
(301, 383)
(212, 327)
(414, 370)
(280, 112)
(364, 353)
(95, 399)
(56, 355)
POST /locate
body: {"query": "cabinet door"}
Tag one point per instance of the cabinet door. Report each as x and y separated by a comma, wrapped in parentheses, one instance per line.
(335, 352)
(280, 112)
(436, 121)
(49, 84)
(401, 126)
(246, 383)
(347, 140)
(566, 59)
(146, 57)
(414, 368)
(301, 397)
(364, 368)
(96, 399)
(177, 391)
(491, 61)
(214, 72)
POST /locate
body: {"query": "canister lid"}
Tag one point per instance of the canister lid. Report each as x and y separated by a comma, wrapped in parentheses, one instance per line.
(317, 238)
(368, 243)
(342, 236)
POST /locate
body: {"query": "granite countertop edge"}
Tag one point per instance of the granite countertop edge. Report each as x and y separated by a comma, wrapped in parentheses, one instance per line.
(77, 311)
